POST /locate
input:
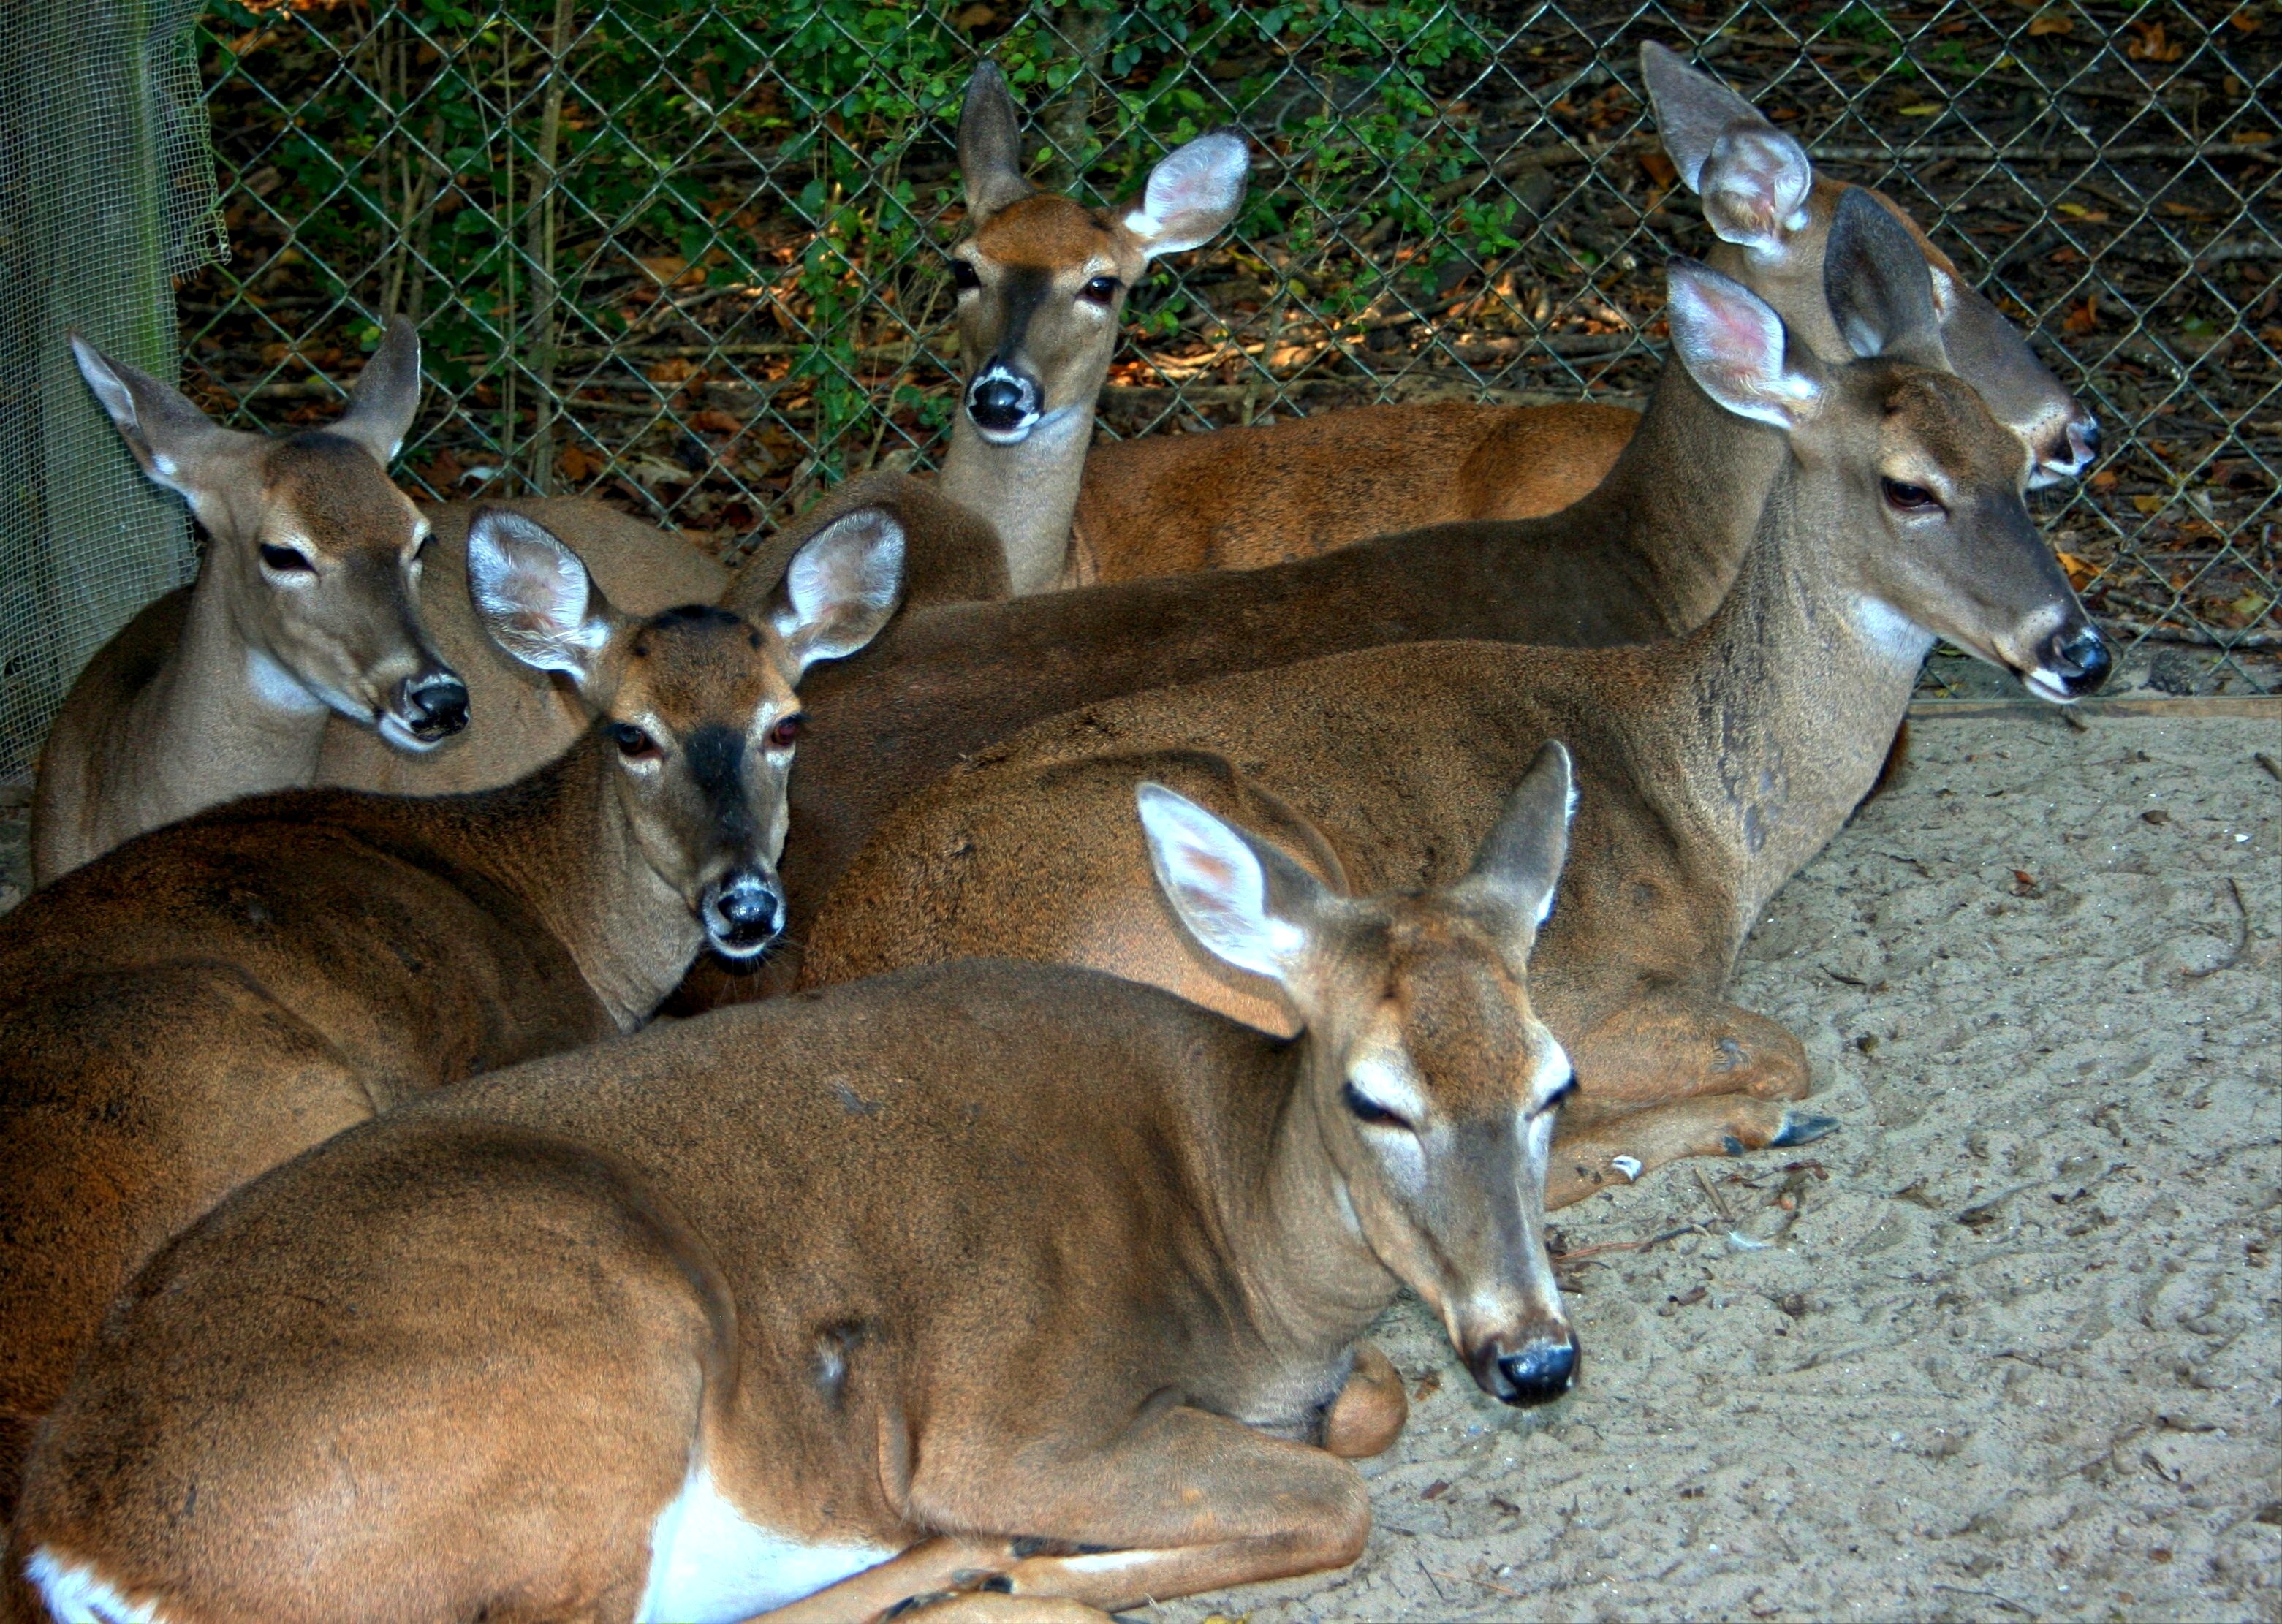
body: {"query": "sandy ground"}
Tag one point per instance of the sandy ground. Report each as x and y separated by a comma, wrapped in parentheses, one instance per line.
(2014, 1347)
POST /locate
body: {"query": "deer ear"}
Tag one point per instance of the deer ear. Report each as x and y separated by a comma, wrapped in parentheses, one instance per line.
(1192, 193)
(1755, 187)
(1734, 345)
(534, 596)
(177, 444)
(1879, 285)
(1518, 864)
(1754, 179)
(1690, 109)
(1244, 901)
(991, 145)
(840, 588)
(387, 394)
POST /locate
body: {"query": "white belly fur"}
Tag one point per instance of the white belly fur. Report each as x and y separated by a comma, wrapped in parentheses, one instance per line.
(709, 1565)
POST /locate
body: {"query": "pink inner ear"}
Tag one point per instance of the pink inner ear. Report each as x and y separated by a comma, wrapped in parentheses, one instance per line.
(1754, 184)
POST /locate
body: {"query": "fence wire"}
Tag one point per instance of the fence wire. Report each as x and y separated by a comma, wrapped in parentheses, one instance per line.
(685, 258)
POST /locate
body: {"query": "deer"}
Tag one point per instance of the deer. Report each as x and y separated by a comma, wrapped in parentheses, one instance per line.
(314, 608)
(1041, 283)
(216, 995)
(1010, 1290)
(1166, 504)
(1710, 766)
(1648, 553)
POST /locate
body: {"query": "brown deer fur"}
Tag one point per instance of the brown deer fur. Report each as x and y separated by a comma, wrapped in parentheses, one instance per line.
(214, 997)
(1006, 1262)
(1709, 767)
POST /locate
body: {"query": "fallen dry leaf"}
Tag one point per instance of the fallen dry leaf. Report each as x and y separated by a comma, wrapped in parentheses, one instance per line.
(2150, 504)
(576, 462)
(2083, 319)
(2077, 211)
(1658, 169)
(2080, 572)
(2104, 480)
(2149, 45)
(2050, 22)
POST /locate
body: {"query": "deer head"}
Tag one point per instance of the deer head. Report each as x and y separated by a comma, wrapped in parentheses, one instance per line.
(1929, 536)
(1041, 279)
(1760, 194)
(1431, 1082)
(317, 552)
(697, 704)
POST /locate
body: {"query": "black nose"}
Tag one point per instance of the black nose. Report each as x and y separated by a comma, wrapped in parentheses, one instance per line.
(744, 914)
(434, 709)
(2078, 660)
(1000, 401)
(1542, 1370)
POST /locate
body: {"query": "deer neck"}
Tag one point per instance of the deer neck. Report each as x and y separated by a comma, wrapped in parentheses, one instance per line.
(1684, 498)
(1313, 1283)
(1027, 491)
(561, 842)
(227, 719)
(1798, 683)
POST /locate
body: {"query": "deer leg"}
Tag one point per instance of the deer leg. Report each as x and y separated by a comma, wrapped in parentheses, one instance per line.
(1670, 1046)
(1368, 1415)
(996, 1607)
(1614, 1149)
(944, 1565)
(1181, 1501)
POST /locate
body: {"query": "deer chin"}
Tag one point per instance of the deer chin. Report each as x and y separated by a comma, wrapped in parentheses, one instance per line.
(2044, 686)
(391, 727)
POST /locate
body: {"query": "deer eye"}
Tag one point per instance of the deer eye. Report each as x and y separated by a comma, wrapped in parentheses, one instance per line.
(286, 560)
(784, 731)
(963, 277)
(632, 743)
(1911, 498)
(1100, 291)
(1370, 1112)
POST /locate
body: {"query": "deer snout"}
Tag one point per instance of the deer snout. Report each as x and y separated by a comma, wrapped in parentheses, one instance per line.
(1003, 402)
(433, 705)
(2067, 452)
(743, 911)
(2070, 664)
(1538, 1370)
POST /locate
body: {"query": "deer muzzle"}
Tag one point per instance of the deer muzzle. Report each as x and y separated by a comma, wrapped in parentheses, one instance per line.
(743, 911)
(2071, 663)
(1535, 1369)
(433, 706)
(1003, 402)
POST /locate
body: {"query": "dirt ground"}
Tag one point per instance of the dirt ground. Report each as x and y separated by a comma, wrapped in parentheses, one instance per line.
(2018, 1350)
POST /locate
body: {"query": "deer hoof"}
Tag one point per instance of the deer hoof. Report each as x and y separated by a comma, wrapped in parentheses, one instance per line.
(1800, 1128)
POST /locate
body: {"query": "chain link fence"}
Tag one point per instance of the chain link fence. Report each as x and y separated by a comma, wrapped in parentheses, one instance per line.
(685, 258)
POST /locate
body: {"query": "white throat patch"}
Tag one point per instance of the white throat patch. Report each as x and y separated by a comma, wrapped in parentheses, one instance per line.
(277, 688)
(74, 1594)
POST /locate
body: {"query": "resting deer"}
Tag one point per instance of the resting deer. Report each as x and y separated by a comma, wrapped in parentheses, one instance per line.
(1646, 554)
(318, 599)
(1011, 1280)
(1168, 504)
(1042, 282)
(216, 995)
(1710, 767)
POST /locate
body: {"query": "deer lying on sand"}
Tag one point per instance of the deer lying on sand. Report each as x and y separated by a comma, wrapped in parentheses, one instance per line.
(1009, 1281)
(324, 594)
(1239, 498)
(219, 995)
(1709, 767)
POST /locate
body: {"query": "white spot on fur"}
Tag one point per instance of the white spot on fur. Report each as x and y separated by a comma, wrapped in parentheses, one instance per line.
(277, 688)
(709, 1566)
(75, 1594)
(1890, 632)
(1552, 1075)
(1629, 1166)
